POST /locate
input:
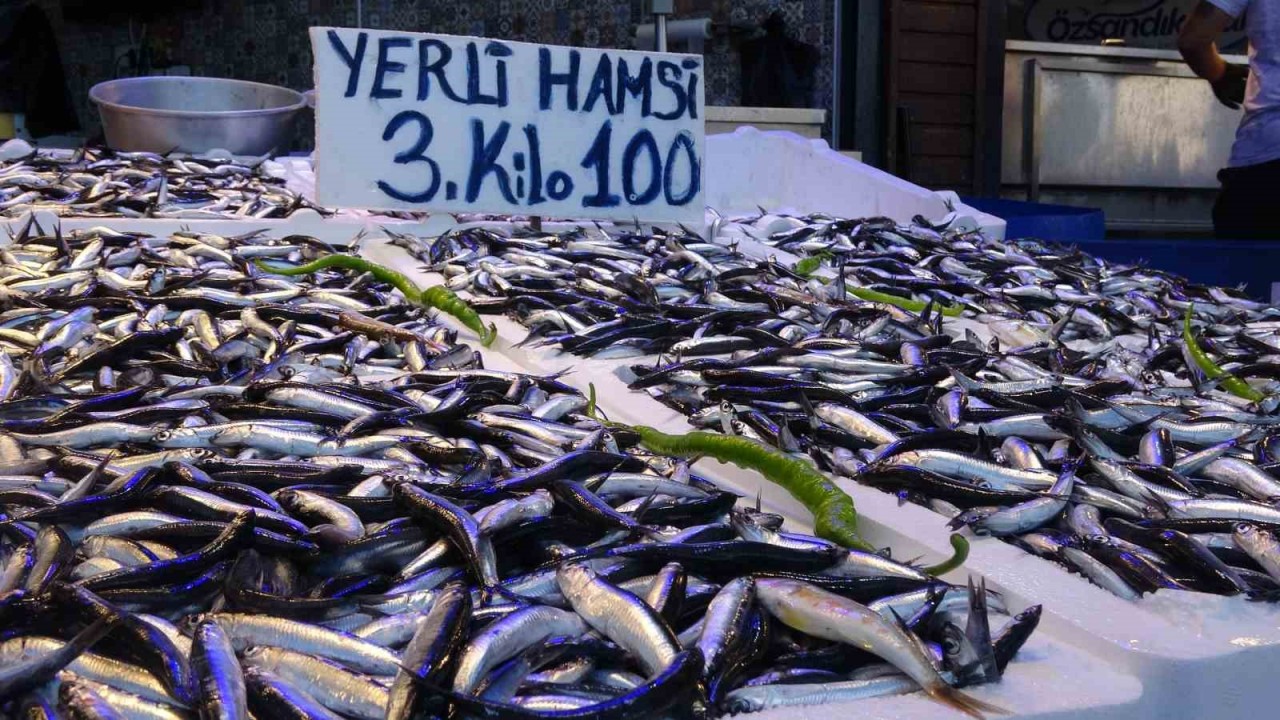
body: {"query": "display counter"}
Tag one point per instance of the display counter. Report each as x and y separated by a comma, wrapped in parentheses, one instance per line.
(1129, 130)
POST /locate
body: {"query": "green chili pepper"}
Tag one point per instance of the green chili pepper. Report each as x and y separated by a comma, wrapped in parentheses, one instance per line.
(444, 299)
(350, 262)
(904, 303)
(1212, 370)
(438, 296)
(591, 400)
(808, 266)
(961, 547)
(834, 516)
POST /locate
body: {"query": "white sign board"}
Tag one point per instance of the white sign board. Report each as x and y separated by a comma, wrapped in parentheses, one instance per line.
(411, 121)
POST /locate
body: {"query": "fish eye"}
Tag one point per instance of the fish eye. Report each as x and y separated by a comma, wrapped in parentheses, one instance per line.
(162, 436)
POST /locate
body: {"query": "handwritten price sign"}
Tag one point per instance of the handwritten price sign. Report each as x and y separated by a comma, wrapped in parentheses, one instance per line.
(411, 121)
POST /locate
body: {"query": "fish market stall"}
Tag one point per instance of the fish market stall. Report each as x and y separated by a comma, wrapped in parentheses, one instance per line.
(835, 445)
(248, 337)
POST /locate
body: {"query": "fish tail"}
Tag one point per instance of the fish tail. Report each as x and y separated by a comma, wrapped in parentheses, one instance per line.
(966, 704)
(92, 634)
(488, 594)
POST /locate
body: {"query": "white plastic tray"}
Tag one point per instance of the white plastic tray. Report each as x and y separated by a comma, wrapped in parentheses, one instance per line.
(781, 171)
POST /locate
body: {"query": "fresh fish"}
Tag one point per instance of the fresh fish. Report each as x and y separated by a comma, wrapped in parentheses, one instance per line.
(19, 677)
(435, 645)
(506, 638)
(271, 697)
(620, 616)
(1260, 545)
(218, 674)
(337, 688)
(244, 631)
(817, 612)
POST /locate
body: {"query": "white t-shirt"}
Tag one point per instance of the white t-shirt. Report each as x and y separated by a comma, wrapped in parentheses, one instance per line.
(1258, 137)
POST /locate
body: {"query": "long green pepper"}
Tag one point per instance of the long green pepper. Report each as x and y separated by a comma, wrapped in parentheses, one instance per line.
(438, 296)
(960, 545)
(445, 300)
(806, 267)
(834, 516)
(904, 303)
(350, 262)
(1212, 370)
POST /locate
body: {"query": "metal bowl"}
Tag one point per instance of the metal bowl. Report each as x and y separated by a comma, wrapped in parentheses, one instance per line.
(196, 114)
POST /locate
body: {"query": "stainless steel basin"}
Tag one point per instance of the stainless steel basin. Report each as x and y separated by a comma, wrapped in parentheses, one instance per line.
(196, 114)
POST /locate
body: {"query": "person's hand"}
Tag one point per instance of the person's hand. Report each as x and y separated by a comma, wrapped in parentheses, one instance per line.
(1229, 89)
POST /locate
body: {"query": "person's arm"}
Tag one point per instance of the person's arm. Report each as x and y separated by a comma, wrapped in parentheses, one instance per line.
(1198, 44)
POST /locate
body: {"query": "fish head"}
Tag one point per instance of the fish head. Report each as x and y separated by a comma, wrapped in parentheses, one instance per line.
(1029, 615)
(956, 650)
(1245, 529)
(1269, 404)
(1092, 542)
(737, 703)
(973, 519)
(574, 578)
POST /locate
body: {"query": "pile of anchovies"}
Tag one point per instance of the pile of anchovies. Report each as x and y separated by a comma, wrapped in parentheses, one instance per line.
(102, 182)
(227, 492)
(1022, 390)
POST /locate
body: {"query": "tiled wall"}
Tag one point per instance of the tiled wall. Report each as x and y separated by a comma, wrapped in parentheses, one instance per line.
(266, 40)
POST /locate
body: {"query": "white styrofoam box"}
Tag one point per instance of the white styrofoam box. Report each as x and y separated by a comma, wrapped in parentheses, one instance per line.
(783, 172)
(14, 149)
(1197, 655)
(1034, 685)
(780, 171)
(746, 170)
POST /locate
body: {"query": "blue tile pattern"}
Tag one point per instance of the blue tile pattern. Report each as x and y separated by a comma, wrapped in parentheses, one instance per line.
(265, 40)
